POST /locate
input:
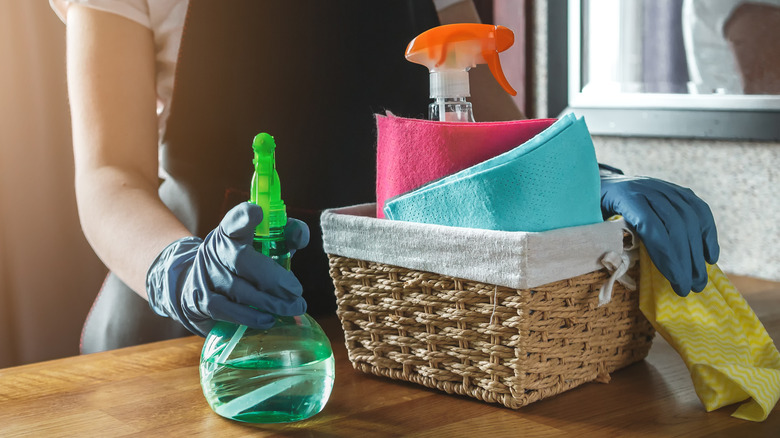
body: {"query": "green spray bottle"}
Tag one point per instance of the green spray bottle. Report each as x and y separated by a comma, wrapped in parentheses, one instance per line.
(281, 374)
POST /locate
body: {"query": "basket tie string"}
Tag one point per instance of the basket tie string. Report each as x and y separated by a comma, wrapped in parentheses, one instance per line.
(495, 303)
(618, 265)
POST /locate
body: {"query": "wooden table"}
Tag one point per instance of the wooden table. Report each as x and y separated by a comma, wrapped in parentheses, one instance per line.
(153, 390)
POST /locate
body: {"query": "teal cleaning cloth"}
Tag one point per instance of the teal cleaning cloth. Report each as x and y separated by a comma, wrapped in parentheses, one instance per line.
(551, 181)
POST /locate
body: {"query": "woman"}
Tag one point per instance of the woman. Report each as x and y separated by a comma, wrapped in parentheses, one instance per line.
(311, 74)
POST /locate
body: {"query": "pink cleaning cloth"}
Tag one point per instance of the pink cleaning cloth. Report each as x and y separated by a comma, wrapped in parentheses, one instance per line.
(413, 152)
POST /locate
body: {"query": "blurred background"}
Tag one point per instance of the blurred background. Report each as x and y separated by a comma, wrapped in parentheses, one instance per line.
(48, 273)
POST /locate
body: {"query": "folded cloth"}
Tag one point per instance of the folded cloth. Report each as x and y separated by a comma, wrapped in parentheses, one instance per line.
(413, 152)
(728, 352)
(551, 181)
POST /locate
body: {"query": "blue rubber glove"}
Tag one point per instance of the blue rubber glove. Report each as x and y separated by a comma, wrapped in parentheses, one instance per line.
(675, 225)
(198, 281)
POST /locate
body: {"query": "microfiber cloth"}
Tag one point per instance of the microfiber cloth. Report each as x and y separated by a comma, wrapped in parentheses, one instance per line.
(727, 350)
(413, 152)
(551, 181)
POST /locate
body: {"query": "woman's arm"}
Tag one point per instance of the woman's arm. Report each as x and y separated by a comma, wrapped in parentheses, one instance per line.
(111, 84)
(111, 81)
(490, 101)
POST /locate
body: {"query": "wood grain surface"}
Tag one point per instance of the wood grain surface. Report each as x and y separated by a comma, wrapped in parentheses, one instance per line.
(153, 390)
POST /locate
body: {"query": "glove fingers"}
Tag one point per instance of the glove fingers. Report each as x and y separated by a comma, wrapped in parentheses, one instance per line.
(711, 246)
(240, 222)
(667, 243)
(700, 277)
(297, 234)
(264, 274)
(690, 213)
(709, 232)
(705, 222)
(245, 293)
(222, 309)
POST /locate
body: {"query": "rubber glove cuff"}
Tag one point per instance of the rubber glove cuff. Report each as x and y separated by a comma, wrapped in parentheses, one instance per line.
(162, 279)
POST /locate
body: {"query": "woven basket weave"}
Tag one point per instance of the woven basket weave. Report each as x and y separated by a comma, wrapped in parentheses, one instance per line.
(493, 343)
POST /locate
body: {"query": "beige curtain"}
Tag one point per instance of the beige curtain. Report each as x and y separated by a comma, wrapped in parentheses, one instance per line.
(48, 273)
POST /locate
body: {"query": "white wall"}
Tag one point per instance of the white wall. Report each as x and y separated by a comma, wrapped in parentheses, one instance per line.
(739, 180)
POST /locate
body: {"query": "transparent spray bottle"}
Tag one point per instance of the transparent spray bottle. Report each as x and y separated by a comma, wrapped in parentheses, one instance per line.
(281, 374)
(449, 52)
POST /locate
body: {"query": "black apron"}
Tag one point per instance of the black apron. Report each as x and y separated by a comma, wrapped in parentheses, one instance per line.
(310, 73)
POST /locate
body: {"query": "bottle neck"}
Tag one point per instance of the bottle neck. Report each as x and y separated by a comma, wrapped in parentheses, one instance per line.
(450, 109)
(274, 245)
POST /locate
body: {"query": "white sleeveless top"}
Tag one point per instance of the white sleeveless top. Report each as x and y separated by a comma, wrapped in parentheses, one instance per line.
(166, 19)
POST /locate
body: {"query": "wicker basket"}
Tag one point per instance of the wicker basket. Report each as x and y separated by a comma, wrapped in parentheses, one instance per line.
(493, 343)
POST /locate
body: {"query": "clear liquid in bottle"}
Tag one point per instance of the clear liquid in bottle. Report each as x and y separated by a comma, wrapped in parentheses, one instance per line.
(278, 375)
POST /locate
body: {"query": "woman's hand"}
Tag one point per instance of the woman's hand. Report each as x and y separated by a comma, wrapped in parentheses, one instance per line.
(222, 277)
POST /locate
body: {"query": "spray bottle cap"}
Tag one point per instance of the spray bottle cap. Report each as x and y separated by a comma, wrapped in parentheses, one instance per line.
(449, 51)
(266, 190)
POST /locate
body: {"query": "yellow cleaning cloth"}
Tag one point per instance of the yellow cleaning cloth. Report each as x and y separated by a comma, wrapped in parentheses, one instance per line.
(728, 352)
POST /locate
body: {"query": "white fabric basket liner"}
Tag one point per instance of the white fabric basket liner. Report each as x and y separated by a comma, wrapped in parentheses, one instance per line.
(518, 260)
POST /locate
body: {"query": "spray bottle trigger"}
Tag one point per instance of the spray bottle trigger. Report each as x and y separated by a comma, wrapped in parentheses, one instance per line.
(494, 63)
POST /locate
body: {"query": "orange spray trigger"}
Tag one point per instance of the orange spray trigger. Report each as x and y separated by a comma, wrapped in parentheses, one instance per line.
(495, 67)
(449, 51)
(504, 39)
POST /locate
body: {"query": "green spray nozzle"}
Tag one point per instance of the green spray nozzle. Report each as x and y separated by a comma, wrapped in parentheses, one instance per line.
(266, 190)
